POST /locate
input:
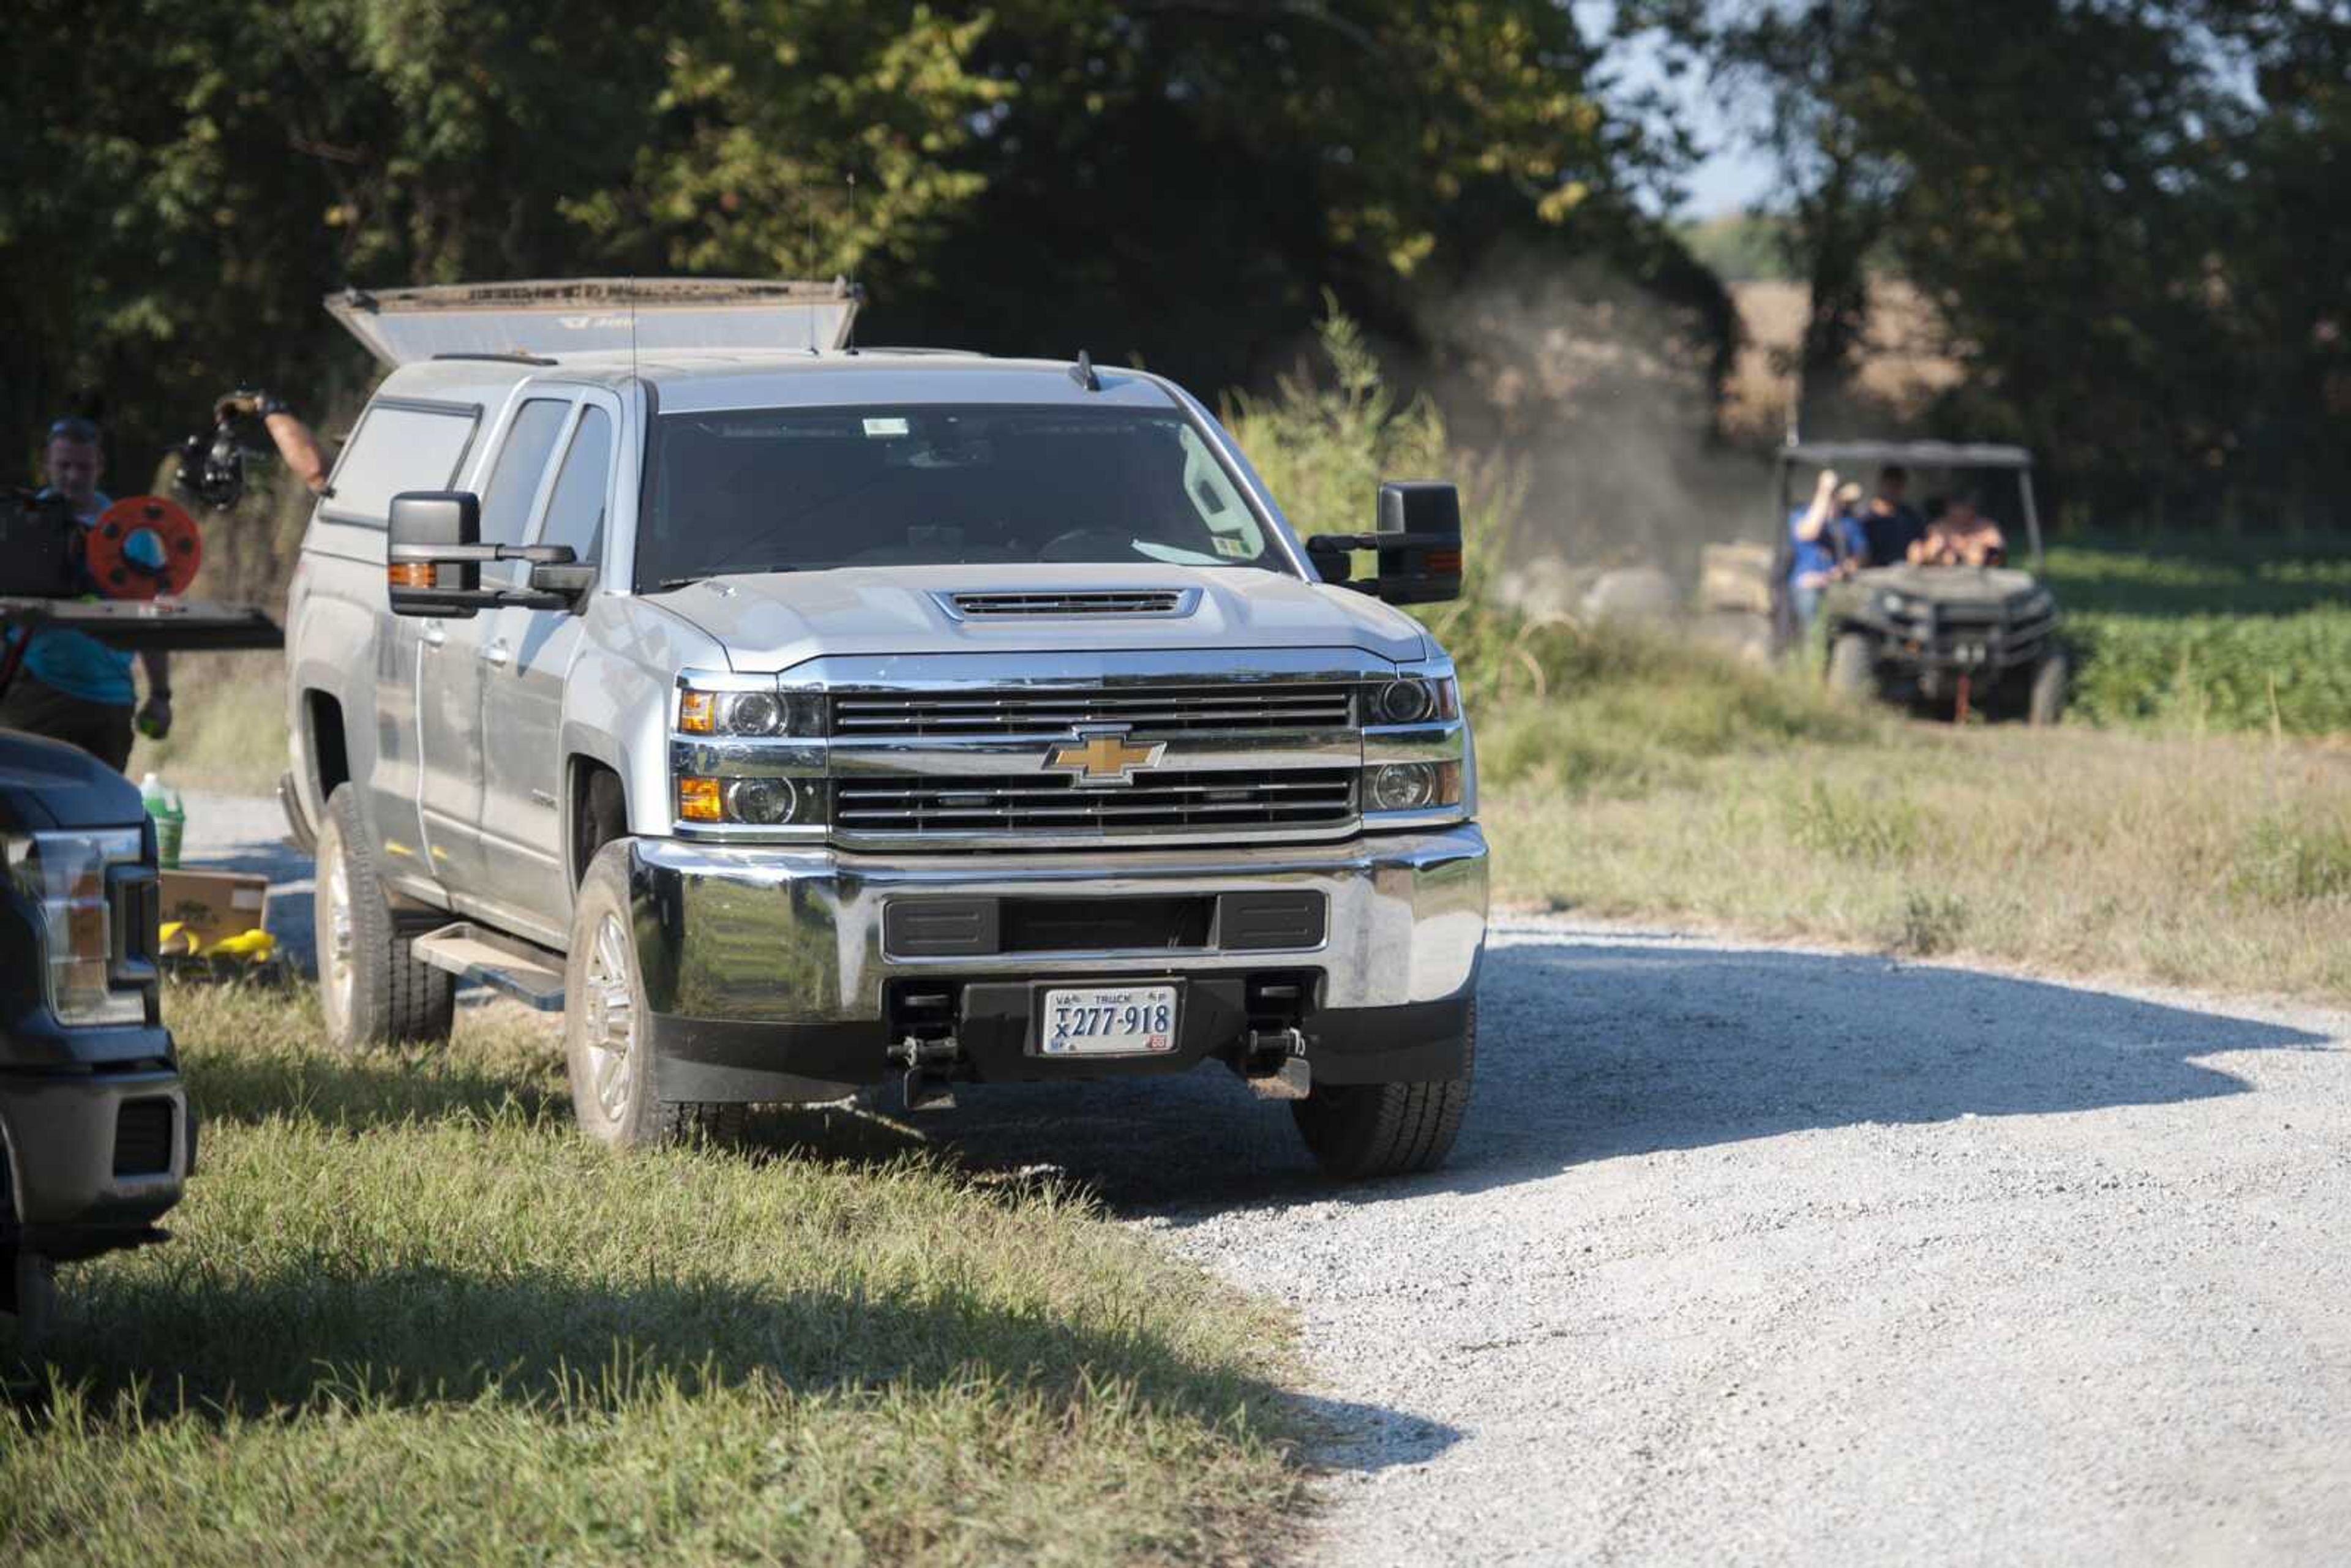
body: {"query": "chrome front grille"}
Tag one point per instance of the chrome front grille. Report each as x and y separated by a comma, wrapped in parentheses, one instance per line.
(1075, 601)
(1144, 710)
(1040, 804)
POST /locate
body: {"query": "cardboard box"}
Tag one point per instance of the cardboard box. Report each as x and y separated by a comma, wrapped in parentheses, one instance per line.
(214, 905)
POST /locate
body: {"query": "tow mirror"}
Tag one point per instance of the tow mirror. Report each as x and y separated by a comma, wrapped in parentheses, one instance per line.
(432, 561)
(1418, 533)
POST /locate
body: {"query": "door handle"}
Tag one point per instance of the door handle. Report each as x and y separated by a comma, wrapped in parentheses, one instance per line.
(435, 633)
(494, 653)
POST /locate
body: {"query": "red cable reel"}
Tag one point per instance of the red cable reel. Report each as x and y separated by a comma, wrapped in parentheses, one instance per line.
(142, 547)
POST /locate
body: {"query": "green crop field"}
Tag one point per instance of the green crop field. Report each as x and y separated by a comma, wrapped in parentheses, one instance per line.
(2210, 631)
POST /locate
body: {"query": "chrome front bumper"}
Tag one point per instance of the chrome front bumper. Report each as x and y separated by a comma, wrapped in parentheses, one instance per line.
(795, 936)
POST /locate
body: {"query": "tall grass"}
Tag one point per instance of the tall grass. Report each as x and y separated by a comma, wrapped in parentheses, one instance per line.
(1323, 445)
(2220, 862)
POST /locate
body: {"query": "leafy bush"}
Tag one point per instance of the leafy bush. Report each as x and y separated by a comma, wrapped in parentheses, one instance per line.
(1324, 448)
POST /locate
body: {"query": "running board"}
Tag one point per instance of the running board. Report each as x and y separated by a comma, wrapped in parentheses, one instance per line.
(531, 974)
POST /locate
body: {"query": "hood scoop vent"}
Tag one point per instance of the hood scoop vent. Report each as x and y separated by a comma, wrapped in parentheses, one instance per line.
(1014, 604)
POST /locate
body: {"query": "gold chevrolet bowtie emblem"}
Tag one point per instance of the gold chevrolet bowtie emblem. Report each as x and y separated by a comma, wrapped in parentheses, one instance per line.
(1104, 758)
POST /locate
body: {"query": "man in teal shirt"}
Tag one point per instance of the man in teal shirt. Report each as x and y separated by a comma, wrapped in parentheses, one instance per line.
(73, 688)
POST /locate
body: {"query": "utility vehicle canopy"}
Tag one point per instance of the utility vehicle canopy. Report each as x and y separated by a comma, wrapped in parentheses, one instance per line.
(1945, 454)
(589, 315)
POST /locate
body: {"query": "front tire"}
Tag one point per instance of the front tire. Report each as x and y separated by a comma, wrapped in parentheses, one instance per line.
(2052, 683)
(1358, 1131)
(372, 990)
(1853, 670)
(607, 1046)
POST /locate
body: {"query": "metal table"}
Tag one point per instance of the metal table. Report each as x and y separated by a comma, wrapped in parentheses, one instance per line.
(194, 625)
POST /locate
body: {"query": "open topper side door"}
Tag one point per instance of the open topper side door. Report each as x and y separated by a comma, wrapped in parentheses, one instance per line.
(588, 315)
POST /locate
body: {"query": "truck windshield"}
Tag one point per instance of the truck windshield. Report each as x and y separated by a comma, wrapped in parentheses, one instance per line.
(799, 489)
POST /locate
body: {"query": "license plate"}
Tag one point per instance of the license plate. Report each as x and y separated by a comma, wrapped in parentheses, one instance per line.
(1109, 1020)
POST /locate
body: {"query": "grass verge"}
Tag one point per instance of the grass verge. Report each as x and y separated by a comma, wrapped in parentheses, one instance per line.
(410, 1315)
(2214, 861)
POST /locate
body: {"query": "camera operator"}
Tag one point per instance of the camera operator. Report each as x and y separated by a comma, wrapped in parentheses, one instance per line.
(71, 687)
(296, 445)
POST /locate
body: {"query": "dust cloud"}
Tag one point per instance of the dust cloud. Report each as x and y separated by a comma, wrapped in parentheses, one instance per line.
(1595, 392)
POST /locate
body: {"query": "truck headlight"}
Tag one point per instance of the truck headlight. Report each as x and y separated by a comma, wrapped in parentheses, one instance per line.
(1414, 786)
(63, 876)
(1413, 699)
(764, 801)
(755, 715)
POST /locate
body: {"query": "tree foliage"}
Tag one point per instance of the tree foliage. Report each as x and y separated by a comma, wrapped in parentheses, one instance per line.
(2127, 213)
(1168, 180)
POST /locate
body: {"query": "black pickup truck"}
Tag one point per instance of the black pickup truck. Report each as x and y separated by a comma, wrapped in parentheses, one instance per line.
(94, 1135)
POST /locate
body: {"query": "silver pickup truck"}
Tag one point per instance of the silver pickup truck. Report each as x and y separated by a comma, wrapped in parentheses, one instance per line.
(800, 718)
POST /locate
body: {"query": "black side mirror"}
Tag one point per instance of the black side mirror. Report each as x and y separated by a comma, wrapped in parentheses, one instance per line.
(1418, 522)
(432, 561)
(1417, 533)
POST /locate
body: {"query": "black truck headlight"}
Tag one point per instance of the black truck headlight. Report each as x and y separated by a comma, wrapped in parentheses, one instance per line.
(63, 875)
(1414, 699)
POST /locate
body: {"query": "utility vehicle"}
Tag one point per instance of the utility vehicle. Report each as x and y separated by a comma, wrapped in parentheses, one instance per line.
(1955, 638)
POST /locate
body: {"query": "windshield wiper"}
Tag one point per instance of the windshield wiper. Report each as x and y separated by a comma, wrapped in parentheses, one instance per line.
(667, 583)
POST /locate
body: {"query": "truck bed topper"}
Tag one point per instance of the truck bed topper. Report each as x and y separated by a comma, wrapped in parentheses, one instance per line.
(591, 315)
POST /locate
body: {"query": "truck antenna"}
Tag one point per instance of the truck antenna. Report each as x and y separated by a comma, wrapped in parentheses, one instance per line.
(854, 250)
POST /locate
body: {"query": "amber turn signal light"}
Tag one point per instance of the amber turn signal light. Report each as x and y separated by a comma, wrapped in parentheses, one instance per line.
(698, 800)
(409, 573)
(696, 715)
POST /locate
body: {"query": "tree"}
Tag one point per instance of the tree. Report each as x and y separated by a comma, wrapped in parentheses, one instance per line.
(2136, 260)
(1176, 180)
(175, 206)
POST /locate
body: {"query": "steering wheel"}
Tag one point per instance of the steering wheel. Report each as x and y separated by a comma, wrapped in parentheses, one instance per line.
(1076, 538)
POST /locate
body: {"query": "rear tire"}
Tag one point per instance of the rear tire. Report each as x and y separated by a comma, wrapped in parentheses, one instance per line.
(2052, 684)
(371, 989)
(1357, 1131)
(1852, 666)
(607, 1047)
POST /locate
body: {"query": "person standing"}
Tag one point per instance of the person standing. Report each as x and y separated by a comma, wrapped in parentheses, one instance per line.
(1824, 543)
(71, 687)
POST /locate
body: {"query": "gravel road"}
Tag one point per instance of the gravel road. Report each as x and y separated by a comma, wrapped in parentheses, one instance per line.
(1752, 1253)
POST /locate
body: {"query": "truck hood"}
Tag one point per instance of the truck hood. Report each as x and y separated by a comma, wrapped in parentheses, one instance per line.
(1951, 584)
(774, 621)
(47, 784)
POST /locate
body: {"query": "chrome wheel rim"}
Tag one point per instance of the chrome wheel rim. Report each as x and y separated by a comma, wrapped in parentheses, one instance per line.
(339, 940)
(611, 1019)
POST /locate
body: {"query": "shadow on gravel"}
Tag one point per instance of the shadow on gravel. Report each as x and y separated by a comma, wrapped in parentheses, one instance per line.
(1591, 1051)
